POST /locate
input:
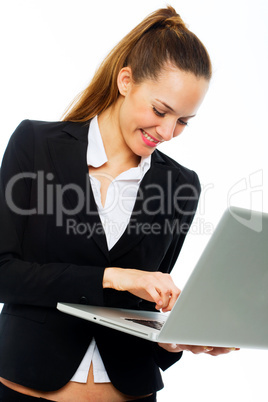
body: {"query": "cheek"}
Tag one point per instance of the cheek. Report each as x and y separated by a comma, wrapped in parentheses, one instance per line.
(135, 113)
(143, 115)
(179, 129)
(136, 118)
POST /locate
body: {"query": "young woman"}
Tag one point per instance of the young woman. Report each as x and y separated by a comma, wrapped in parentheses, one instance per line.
(92, 212)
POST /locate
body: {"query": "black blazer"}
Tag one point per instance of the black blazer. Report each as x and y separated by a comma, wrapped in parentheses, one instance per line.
(53, 249)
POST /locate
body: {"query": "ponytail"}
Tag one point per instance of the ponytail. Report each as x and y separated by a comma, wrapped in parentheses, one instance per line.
(160, 38)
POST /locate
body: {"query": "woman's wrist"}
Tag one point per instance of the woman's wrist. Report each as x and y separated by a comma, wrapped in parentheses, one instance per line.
(108, 277)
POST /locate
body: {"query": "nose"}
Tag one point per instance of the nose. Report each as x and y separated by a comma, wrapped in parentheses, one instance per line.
(167, 129)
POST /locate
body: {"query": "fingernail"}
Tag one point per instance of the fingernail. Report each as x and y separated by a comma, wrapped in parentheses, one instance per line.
(173, 345)
(207, 349)
(231, 349)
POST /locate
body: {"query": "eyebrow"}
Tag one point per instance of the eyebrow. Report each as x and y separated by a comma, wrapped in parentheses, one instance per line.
(170, 108)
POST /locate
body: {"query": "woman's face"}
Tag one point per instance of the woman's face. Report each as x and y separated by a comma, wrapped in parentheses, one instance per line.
(156, 111)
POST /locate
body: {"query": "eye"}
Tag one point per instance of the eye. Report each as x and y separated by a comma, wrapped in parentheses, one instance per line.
(183, 123)
(158, 113)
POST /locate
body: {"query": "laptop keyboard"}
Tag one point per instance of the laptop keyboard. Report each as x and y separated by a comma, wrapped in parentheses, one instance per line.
(148, 323)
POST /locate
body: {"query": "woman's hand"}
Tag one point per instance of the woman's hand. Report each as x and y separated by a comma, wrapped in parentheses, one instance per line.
(213, 351)
(152, 286)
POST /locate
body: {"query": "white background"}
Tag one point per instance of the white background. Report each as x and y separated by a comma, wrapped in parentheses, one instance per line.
(50, 50)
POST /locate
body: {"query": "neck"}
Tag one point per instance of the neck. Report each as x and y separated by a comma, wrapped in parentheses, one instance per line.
(115, 146)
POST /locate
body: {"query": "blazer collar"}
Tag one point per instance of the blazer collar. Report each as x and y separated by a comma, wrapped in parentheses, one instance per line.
(68, 153)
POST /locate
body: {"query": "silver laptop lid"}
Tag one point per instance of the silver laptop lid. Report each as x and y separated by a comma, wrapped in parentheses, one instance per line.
(225, 301)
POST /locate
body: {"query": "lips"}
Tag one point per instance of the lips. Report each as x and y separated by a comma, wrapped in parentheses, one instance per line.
(149, 140)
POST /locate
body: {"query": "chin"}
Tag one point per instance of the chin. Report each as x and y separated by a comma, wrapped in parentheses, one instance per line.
(144, 153)
(141, 149)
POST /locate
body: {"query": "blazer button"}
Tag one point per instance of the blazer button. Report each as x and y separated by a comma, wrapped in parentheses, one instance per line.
(83, 300)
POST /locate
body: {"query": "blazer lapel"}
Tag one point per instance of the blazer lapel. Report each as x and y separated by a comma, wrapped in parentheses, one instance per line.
(68, 154)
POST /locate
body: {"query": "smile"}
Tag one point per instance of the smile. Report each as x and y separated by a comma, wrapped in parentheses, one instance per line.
(152, 142)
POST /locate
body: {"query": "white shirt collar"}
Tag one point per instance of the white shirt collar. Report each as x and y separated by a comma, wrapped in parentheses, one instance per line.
(96, 155)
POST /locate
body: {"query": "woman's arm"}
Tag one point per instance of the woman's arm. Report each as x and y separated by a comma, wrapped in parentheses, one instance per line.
(27, 281)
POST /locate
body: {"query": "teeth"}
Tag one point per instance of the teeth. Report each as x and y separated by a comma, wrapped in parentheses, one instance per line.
(148, 137)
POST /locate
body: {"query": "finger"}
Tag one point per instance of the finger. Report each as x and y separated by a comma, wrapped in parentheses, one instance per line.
(170, 347)
(221, 351)
(156, 297)
(191, 348)
(160, 300)
(163, 290)
(165, 295)
(173, 296)
(207, 349)
(168, 291)
(202, 349)
(196, 350)
(173, 347)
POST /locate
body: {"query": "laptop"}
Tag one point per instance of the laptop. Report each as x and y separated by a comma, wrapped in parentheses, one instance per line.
(224, 302)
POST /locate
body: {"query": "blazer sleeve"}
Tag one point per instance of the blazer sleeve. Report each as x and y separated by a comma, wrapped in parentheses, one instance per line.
(28, 282)
(184, 216)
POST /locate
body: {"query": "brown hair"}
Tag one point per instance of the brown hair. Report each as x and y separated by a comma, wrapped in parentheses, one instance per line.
(160, 38)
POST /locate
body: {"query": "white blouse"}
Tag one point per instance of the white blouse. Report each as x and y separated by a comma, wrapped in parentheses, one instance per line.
(115, 215)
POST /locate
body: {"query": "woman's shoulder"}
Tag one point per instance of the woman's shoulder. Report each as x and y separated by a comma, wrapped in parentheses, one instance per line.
(188, 175)
(32, 127)
(29, 131)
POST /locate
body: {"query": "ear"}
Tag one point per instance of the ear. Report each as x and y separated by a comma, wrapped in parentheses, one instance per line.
(124, 80)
